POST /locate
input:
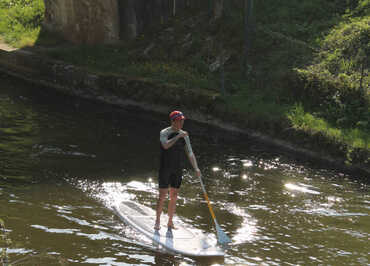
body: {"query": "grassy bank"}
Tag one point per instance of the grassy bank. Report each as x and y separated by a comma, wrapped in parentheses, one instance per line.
(306, 78)
(20, 21)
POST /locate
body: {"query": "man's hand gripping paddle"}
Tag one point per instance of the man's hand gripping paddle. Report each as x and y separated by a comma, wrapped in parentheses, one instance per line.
(222, 238)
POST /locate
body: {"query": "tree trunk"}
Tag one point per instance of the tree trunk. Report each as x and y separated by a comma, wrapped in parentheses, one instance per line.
(165, 10)
(131, 20)
(248, 6)
(218, 9)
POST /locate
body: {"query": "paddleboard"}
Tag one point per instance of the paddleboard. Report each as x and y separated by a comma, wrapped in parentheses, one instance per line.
(180, 240)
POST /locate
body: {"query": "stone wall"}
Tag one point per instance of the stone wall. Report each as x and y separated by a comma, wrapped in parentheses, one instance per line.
(83, 21)
(107, 21)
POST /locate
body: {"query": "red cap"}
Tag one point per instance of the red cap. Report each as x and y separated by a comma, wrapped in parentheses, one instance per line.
(176, 115)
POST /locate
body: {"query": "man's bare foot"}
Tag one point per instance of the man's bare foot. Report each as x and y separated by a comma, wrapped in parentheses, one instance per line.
(171, 226)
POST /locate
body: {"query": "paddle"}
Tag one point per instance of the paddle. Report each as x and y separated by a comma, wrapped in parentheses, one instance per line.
(222, 238)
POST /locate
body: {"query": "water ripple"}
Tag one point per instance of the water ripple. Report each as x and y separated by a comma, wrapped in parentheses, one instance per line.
(55, 230)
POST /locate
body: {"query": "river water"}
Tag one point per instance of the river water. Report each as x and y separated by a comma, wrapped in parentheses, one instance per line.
(65, 161)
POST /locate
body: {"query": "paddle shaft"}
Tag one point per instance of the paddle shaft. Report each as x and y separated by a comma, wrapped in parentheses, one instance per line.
(221, 236)
(207, 199)
(187, 140)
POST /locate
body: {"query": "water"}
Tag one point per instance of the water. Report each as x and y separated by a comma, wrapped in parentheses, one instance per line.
(65, 161)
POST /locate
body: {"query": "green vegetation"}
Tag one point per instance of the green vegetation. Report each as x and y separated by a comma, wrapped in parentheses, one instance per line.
(336, 82)
(306, 78)
(20, 21)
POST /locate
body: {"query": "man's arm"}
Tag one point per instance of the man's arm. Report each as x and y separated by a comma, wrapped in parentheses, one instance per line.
(170, 142)
(191, 156)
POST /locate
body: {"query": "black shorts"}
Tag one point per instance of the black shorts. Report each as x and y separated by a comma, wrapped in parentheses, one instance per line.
(168, 178)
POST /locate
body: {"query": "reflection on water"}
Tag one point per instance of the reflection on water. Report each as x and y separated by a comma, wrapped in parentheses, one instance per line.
(18, 132)
(247, 230)
(65, 163)
(301, 188)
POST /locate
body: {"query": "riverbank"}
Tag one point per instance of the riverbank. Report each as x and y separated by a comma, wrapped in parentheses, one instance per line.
(67, 161)
(303, 84)
(200, 105)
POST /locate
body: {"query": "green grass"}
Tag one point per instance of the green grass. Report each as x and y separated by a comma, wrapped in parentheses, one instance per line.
(115, 60)
(20, 21)
(305, 121)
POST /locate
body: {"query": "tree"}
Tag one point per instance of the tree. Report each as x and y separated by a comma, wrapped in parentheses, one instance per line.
(248, 8)
(218, 9)
(131, 20)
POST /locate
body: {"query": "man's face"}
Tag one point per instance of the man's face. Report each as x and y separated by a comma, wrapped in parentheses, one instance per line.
(178, 124)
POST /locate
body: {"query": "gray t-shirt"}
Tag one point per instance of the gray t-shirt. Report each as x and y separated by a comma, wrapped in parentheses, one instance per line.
(172, 158)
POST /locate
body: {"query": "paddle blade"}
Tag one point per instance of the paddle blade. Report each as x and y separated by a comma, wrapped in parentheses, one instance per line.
(222, 238)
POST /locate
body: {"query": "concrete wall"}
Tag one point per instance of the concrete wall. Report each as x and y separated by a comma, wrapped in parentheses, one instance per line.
(83, 21)
(107, 21)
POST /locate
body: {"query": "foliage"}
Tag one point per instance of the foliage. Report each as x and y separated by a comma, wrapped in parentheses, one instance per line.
(362, 9)
(352, 142)
(308, 122)
(338, 83)
(345, 48)
(116, 60)
(301, 20)
(316, 53)
(171, 73)
(21, 21)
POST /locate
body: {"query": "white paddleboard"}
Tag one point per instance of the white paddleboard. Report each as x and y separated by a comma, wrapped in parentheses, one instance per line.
(180, 240)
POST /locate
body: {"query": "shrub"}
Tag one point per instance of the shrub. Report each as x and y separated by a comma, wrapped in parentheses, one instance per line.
(338, 83)
(21, 20)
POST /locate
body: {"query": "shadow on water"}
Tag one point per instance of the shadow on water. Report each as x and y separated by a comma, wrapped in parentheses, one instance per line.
(18, 133)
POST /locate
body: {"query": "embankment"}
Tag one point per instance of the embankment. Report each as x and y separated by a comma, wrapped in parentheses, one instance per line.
(202, 106)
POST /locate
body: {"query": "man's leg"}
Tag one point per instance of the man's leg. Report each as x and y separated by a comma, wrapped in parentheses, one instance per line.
(172, 206)
(161, 198)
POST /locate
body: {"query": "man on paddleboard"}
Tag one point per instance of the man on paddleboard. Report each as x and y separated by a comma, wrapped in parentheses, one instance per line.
(172, 148)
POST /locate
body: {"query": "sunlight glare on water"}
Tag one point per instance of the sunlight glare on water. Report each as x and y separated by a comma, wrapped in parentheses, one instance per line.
(247, 230)
(112, 193)
(301, 188)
